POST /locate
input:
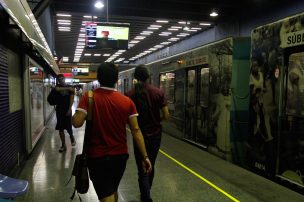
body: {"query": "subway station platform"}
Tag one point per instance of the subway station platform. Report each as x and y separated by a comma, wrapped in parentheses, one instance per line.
(183, 173)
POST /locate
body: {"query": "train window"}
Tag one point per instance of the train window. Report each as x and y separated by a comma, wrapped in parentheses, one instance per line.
(204, 96)
(167, 85)
(295, 85)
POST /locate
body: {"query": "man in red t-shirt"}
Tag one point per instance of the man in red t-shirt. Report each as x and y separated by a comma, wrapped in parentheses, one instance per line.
(108, 152)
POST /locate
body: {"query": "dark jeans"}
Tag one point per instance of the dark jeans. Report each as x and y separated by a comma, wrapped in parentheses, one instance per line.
(145, 180)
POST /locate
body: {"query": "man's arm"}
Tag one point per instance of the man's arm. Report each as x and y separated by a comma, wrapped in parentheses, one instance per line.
(165, 113)
(72, 92)
(78, 119)
(140, 143)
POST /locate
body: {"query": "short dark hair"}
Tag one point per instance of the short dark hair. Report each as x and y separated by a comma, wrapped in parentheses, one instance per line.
(107, 74)
(141, 73)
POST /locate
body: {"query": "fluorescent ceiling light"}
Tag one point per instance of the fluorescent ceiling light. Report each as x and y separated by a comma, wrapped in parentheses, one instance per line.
(165, 43)
(63, 15)
(106, 55)
(196, 28)
(166, 33)
(97, 54)
(173, 39)
(63, 20)
(64, 23)
(134, 41)
(64, 30)
(182, 22)
(159, 46)
(172, 29)
(65, 59)
(139, 37)
(98, 5)
(176, 27)
(162, 21)
(155, 26)
(145, 33)
(181, 35)
(87, 54)
(213, 14)
(87, 16)
(152, 49)
(205, 24)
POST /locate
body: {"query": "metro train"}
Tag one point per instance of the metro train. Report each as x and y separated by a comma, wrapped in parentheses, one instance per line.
(241, 99)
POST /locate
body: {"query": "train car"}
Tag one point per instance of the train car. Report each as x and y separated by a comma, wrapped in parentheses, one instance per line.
(199, 85)
(276, 138)
(241, 101)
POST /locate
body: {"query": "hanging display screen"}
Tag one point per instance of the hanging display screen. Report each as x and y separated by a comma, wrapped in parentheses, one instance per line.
(107, 35)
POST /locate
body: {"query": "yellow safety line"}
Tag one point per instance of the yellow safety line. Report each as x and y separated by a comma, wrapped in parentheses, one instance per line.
(197, 175)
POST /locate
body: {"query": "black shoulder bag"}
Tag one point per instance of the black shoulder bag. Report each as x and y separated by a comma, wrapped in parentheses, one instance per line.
(54, 97)
(80, 169)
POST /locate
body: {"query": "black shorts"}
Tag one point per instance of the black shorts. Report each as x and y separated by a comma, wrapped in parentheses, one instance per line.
(63, 121)
(106, 173)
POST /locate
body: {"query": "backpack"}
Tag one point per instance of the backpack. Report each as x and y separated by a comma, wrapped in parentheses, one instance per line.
(54, 97)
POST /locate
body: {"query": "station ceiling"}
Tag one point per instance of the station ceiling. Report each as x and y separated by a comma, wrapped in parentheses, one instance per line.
(141, 14)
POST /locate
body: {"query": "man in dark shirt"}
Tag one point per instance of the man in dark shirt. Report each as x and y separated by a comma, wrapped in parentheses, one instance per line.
(64, 111)
(149, 101)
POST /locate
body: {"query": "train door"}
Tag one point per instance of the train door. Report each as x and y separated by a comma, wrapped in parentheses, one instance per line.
(203, 107)
(125, 85)
(190, 105)
(291, 146)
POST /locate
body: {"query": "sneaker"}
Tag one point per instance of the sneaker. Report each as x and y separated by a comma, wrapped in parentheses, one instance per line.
(73, 141)
(62, 149)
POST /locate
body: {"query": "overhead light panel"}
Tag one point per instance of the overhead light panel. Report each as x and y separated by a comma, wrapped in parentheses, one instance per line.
(162, 21)
(65, 59)
(172, 29)
(176, 27)
(156, 26)
(60, 20)
(153, 27)
(64, 23)
(205, 24)
(213, 14)
(99, 5)
(63, 15)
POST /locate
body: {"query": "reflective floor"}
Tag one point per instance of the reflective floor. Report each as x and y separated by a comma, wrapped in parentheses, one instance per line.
(183, 173)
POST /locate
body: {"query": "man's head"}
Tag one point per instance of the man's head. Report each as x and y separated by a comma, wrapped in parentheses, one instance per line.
(60, 79)
(107, 74)
(141, 73)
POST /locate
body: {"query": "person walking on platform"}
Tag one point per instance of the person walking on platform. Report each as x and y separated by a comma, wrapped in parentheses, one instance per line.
(149, 101)
(64, 111)
(108, 151)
